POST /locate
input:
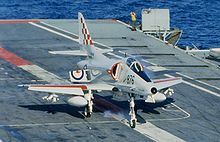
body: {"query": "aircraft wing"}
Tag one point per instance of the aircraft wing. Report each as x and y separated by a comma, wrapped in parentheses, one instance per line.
(159, 84)
(69, 89)
(69, 52)
(165, 83)
(159, 73)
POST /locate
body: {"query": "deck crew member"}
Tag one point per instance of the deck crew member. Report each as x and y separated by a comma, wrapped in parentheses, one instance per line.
(133, 20)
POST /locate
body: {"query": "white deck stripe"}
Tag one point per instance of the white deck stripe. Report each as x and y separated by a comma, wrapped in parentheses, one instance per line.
(156, 68)
(148, 129)
(117, 56)
(52, 31)
(187, 115)
(198, 87)
(55, 123)
(158, 134)
(151, 131)
(35, 24)
(43, 74)
(58, 28)
(198, 81)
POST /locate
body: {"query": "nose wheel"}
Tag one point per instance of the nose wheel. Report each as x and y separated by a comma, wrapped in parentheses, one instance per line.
(133, 120)
(89, 106)
(88, 111)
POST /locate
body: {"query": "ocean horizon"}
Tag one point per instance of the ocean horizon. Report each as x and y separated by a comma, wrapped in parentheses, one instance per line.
(199, 19)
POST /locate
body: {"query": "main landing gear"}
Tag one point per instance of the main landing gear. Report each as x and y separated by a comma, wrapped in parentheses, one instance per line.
(133, 119)
(88, 109)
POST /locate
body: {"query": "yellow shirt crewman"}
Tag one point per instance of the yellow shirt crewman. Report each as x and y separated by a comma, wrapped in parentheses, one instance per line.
(133, 19)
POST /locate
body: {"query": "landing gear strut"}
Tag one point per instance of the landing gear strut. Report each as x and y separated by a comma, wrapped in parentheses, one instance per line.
(89, 106)
(133, 119)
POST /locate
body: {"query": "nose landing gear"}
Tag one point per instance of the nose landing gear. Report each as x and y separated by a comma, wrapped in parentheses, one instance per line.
(89, 106)
(133, 120)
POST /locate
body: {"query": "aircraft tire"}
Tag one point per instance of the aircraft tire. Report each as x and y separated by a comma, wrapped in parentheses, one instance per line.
(132, 123)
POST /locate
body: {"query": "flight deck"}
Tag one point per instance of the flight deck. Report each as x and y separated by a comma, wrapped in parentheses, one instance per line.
(191, 114)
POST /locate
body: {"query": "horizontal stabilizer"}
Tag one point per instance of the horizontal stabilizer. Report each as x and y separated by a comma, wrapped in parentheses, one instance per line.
(70, 52)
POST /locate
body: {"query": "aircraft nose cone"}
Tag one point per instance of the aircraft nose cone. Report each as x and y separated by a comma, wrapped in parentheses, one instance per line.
(159, 97)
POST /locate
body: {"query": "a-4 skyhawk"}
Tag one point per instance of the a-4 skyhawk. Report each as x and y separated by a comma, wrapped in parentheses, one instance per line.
(125, 76)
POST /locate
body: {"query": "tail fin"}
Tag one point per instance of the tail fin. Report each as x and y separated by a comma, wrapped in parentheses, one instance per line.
(84, 35)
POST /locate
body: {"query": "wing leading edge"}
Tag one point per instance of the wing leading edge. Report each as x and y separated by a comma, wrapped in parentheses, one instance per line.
(165, 83)
(69, 89)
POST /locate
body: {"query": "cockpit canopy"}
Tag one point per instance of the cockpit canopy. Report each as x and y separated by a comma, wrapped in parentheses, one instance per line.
(136, 66)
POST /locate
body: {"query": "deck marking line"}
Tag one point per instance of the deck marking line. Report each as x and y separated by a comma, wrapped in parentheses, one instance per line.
(30, 67)
(117, 56)
(174, 118)
(55, 123)
(156, 133)
(57, 28)
(12, 58)
(198, 81)
(43, 74)
(17, 21)
(63, 35)
(198, 87)
(72, 33)
(52, 31)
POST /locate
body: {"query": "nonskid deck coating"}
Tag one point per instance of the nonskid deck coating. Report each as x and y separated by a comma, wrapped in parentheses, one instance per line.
(199, 104)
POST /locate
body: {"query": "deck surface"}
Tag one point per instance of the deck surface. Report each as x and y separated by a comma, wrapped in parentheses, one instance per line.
(191, 114)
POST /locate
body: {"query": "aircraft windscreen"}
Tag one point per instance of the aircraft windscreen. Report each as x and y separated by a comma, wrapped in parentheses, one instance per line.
(130, 61)
(135, 66)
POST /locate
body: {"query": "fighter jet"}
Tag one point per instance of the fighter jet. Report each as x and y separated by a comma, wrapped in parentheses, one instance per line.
(99, 73)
